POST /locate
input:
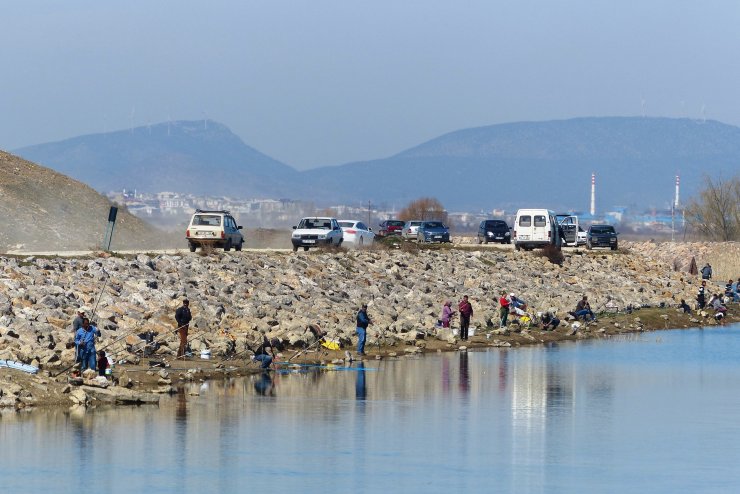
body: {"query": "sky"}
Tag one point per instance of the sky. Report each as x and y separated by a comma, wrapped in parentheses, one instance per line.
(325, 82)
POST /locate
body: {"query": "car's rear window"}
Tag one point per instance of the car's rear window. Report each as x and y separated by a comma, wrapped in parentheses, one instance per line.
(346, 224)
(602, 229)
(540, 221)
(414, 223)
(206, 220)
(525, 220)
(433, 224)
(395, 223)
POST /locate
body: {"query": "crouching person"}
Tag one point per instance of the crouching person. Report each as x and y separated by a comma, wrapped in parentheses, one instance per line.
(261, 353)
(85, 341)
(550, 321)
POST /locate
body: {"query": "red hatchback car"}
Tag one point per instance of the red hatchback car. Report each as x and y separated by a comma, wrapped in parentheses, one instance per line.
(390, 227)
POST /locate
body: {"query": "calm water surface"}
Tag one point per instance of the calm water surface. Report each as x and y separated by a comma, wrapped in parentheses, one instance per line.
(659, 412)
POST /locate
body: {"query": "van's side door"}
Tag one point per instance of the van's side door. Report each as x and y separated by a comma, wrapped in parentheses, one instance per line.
(570, 229)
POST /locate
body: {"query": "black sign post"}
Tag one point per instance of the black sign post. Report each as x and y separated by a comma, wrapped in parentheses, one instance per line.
(109, 229)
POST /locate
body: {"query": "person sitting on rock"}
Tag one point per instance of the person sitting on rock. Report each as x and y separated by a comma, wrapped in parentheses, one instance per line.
(583, 309)
(85, 341)
(716, 303)
(102, 363)
(447, 314)
(735, 288)
(685, 307)
(550, 321)
(728, 291)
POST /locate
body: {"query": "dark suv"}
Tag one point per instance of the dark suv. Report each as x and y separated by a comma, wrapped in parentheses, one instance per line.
(494, 231)
(601, 236)
(390, 227)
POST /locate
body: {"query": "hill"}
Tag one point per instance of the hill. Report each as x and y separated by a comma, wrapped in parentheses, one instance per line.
(45, 210)
(550, 163)
(546, 164)
(185, 156)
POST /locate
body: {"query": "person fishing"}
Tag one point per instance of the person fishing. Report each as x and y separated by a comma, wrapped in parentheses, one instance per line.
(183, 318)
(466, 312)
(85, 341)
(503, 310)
(362, 323)
(701, 296)
(447, 314)
(261, 354)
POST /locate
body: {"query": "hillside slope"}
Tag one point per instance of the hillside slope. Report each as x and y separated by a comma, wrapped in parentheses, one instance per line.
(45, 210)
(185, 156)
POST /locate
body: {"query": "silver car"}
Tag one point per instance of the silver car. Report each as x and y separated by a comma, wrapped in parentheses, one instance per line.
(411, 228)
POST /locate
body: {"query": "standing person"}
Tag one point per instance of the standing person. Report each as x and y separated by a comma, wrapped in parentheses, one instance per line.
(466, 312)
(183, 318)
(77, 324)
(85, 341)
(503, 309)
(362, 323)
(447, 314)
(701, 296)
(706, 272)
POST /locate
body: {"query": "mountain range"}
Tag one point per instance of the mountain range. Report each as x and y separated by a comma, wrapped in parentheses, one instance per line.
(538, 164)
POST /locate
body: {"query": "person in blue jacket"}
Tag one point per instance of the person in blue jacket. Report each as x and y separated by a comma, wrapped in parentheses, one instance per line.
(85, 341)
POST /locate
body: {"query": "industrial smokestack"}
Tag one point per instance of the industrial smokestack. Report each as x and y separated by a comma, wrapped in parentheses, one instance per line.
(678, 182)
(593, 194)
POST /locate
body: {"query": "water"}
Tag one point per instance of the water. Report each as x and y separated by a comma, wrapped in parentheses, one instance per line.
(657, 412)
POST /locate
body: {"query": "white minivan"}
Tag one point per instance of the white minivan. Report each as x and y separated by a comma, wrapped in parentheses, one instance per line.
(535, 228)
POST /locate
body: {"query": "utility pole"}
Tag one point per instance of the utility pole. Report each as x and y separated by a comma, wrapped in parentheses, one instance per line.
(368, 214)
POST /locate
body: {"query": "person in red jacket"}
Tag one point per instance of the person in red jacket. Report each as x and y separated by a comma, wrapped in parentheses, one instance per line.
(466, 311)
(503, 309)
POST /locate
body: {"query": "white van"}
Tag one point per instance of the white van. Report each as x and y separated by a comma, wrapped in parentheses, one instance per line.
(535, 228)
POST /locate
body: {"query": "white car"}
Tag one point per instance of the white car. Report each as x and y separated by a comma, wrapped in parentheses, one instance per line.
(215, 229)
(315, 231)
(411, 228)
(356, 233)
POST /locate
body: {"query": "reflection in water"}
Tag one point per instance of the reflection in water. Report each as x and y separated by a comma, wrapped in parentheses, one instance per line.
(360, 386)
(464, 376)
(564, 418)
(263, 385)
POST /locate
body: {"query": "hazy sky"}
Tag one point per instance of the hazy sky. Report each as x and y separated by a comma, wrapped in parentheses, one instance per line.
(323, 82)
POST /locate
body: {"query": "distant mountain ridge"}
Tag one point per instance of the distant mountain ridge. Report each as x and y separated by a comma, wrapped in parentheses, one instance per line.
(201, 157)
(546, 164)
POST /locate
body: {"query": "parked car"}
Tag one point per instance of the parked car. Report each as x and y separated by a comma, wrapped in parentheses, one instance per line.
(390, 227)
(536, 228)
(410, 229)
(213, 228)
(316, 232)
(356, 233)
(601, 236)
(494, 231)
(432, 231)
(574, 234)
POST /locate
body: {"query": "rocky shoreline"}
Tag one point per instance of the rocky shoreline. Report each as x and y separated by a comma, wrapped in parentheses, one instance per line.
(237, 296)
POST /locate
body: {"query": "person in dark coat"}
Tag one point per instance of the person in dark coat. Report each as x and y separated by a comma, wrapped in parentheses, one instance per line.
(706, 272)
(466, 312)
(183, 318)
(363, 321)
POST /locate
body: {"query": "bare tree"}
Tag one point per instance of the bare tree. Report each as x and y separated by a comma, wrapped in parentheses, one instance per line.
(715, 213)
(425, 208)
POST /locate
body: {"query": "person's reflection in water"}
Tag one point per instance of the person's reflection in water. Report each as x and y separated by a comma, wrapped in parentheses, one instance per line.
(464, 376)
(264, 385)
(181, 412)
(360, 388)
(503, 366)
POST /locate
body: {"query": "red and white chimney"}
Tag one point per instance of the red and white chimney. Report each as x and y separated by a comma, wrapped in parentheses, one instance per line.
(593, 194)
(675, 201)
